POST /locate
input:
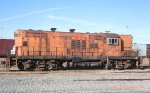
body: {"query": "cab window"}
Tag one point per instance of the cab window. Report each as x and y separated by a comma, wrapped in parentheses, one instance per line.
(113, 41)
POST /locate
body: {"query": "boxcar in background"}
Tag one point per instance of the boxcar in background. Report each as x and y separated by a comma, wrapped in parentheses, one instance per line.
(144, 53)
(148, 50)
(143, 49)
(6, 45)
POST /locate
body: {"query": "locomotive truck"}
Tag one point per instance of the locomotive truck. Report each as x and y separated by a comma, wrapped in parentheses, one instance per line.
(37, 49)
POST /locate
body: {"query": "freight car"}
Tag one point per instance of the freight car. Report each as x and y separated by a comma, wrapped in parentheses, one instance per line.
(5, 56)
(143, 53)
(37, 49)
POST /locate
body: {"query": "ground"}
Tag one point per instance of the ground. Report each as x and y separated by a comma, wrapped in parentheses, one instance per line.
(75, 81)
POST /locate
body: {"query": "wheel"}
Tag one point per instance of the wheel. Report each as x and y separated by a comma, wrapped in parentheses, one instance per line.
(127, 65)
(26, 65)
(20, 66)
(119, 65)
(64, 65)
(100, 65)
(50, 66)
(71, 64)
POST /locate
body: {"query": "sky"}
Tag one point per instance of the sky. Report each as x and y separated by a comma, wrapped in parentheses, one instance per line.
(118, 16)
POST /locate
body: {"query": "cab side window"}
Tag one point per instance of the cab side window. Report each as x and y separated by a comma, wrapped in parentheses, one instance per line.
(113, 41)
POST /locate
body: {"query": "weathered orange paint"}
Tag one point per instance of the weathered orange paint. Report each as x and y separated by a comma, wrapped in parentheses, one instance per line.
(126, 42)
(47, 43)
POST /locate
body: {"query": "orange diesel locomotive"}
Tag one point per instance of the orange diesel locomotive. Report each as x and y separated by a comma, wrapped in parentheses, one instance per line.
(37, 49)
